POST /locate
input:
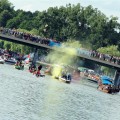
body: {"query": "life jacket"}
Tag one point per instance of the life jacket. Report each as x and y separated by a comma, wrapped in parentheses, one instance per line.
(38, 72)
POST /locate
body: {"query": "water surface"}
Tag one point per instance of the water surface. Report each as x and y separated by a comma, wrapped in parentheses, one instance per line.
(25, 97)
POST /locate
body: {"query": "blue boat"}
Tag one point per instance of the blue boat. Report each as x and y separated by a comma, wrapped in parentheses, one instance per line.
(106, 80)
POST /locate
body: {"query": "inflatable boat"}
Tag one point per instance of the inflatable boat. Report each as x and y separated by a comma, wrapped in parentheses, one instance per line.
(19, 67)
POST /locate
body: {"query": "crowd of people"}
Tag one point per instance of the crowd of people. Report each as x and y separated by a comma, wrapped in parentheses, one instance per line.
(67, 74)
(25, 36)
(80, 51)
(100, 56)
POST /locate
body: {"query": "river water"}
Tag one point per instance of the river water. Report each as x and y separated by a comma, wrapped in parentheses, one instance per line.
(25, 97)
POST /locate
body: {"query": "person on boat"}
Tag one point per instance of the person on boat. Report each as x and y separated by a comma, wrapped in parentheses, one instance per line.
(38, 73)
(32, 68)
(48, 70)
(39, 67)
(17, 63)
(64, 74)
(38, 70)
(68, 76)
(107, 88)
(21, 64)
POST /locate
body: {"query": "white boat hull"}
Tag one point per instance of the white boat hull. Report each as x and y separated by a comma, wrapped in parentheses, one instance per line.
(2, 61)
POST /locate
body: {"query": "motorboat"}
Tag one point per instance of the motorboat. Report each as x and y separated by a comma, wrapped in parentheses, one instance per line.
(10, 60)
(64, 79)
(105, 84)
(61, 73)
(2, 61)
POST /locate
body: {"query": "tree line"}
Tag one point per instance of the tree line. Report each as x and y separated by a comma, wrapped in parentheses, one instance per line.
(88, 25)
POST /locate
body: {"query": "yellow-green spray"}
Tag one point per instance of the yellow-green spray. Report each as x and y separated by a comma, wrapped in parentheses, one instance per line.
(64, 55)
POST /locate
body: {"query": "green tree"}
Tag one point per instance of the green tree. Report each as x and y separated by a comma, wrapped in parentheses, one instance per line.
(111, 50)
(4, 17)
(6, 5)
(7, 45)
(1, 44)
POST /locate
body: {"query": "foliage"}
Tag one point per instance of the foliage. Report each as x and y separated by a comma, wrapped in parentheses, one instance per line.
(108, 71)
(111, 50)
(1, 44)
(15, 47)
(33, 31)
(87, 25)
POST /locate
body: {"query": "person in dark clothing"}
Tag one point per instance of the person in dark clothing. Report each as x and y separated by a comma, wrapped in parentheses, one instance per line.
(32, 68)
(38, 70)
(39, 67)
(38, 73)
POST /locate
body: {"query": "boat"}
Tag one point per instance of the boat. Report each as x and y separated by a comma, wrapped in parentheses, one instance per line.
(39, 75)
(19, 67)
(105, 84)
(11, 60)
(106, 80)
(64, 79)
(2, 61)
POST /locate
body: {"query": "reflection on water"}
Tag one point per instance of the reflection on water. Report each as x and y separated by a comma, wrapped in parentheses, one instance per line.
(25, 97)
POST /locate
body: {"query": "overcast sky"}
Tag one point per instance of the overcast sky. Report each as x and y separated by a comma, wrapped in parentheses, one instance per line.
(108, 7)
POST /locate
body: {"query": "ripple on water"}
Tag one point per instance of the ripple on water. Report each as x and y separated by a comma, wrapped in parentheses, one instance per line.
(25, 97)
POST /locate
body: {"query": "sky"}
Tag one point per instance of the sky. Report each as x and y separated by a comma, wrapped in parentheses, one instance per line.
(108, 7)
